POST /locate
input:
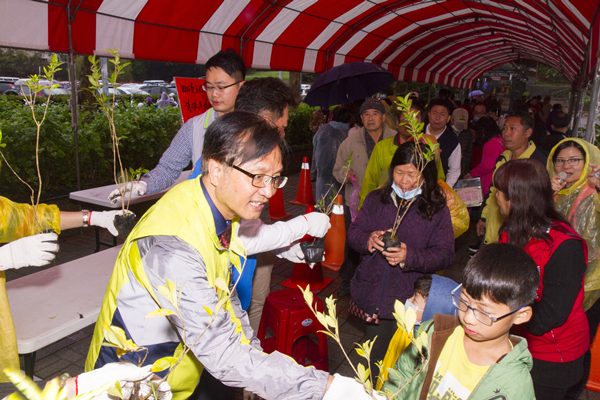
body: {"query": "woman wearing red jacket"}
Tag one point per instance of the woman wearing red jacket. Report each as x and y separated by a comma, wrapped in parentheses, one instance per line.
(557, 333)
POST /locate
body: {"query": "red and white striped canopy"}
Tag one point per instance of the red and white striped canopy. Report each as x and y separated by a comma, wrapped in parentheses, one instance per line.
(440, 41)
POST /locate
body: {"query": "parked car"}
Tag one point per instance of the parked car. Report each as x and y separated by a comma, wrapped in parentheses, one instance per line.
(159, 89)
(20, 86)
(154, 82)
(7, 88)
(9, 79)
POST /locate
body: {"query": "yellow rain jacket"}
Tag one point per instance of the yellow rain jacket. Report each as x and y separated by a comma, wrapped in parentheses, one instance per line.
(580, 205)
(17, 221)
(491, 211)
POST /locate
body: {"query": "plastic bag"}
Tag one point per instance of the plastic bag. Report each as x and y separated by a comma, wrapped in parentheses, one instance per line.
(458, 211)
(354, 200)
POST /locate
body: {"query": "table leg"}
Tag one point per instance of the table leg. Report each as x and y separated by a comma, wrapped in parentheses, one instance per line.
(29, 364)
(98, 242)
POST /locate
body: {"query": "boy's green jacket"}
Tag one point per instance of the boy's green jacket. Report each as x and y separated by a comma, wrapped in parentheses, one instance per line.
(507, 379)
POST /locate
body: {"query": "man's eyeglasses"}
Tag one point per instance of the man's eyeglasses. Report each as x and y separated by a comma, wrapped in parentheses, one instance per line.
(480, 315)
(262, 181)
(573, 162)
(218, 88)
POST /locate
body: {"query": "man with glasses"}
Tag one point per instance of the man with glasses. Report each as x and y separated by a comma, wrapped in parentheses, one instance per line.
(191, 237)
(516, 133)
(225, 75)
(473, 355)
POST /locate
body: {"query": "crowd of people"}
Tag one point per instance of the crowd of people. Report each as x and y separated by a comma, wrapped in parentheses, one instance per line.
(518, 326)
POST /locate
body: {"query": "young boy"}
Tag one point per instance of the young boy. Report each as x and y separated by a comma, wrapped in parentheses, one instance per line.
(473, 356)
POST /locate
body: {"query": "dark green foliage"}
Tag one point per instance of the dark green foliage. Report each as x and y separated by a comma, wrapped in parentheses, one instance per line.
(149, 132)
(298, 134)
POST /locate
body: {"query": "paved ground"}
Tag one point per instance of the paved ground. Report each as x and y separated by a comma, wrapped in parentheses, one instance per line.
(68, 355)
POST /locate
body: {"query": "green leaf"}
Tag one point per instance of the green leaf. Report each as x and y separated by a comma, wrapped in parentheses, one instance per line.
(95, 392)
(221, 284)
(221, 303)
(161, 312)
(208, 310)
(115, 392)
(24, 384)
(164, 363)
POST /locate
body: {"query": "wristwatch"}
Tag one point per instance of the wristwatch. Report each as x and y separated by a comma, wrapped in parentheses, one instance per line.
(86, 218)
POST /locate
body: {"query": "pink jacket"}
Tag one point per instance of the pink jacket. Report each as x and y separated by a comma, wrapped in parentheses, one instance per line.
(485, 170)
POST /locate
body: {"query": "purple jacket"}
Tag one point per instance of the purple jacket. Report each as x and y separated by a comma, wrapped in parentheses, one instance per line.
(430, 248)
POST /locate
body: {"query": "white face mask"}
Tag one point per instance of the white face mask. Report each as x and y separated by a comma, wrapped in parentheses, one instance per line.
(408, 304)
(406, 195)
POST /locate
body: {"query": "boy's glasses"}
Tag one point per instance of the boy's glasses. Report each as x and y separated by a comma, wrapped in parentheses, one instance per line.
(480, 315)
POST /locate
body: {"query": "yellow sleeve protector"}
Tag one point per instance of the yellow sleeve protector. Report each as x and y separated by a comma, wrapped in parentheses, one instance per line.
(17, 221)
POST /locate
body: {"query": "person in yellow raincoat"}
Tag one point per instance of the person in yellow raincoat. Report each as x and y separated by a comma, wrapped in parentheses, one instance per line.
(20, 227)
(577, 199)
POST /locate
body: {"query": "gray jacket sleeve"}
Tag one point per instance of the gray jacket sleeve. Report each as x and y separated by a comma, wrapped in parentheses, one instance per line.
(218, 347)
(173, 161)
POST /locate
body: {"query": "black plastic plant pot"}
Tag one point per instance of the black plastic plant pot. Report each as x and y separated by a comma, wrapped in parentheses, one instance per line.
(389, 241)
(313, 251)
(124, 224)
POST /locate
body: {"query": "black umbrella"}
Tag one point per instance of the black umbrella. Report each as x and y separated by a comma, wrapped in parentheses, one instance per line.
(348, 82)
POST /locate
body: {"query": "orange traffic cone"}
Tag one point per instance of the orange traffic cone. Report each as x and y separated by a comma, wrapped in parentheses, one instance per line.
(303, 274)
(277, 208)
(304, 196)
(336, 237)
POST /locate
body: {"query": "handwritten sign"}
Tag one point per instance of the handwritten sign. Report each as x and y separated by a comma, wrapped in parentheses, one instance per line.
(192, 98)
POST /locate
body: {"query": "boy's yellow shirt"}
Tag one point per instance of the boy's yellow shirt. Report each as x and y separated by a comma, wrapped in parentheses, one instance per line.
(455, 377)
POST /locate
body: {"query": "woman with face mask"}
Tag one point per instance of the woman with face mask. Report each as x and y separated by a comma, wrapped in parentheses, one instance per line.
(425, 235)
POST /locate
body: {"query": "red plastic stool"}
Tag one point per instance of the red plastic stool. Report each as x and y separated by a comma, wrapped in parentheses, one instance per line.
(294, 329)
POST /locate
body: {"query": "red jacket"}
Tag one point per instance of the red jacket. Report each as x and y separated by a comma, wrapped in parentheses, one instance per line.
(569, 341)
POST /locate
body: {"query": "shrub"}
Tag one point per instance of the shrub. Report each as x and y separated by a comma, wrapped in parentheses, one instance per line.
(298, 134)
(149, 132)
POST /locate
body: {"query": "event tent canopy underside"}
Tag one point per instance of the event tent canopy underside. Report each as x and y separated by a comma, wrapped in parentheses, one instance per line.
(450, 42)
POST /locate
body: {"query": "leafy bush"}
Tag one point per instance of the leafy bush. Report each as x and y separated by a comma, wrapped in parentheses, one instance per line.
(298, 134)
(149, 132)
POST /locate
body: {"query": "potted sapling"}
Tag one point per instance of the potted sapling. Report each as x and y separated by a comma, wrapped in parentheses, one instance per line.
(314, 251)
(36, 84)
(126, 221)
(405, 321)
(423, 156)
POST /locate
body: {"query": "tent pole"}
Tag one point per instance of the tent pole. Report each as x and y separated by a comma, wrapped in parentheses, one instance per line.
(578, 109)
(590, 132)
(572, 100)
(74, 96)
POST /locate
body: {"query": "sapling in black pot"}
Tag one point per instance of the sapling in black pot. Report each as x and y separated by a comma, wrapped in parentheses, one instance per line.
(314, 251)
(423, 155)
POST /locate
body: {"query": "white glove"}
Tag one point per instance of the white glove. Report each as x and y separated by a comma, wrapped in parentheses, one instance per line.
(137, 188)
(126, 373)
(31, 251)
(318, 224)
(343, 388)
(106, 219)
(295, 254)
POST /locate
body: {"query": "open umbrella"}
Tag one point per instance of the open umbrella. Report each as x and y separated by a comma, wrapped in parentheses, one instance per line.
(348, 82)
(476, 93)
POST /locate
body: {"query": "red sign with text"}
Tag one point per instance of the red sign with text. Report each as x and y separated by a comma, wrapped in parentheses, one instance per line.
(192, 98)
